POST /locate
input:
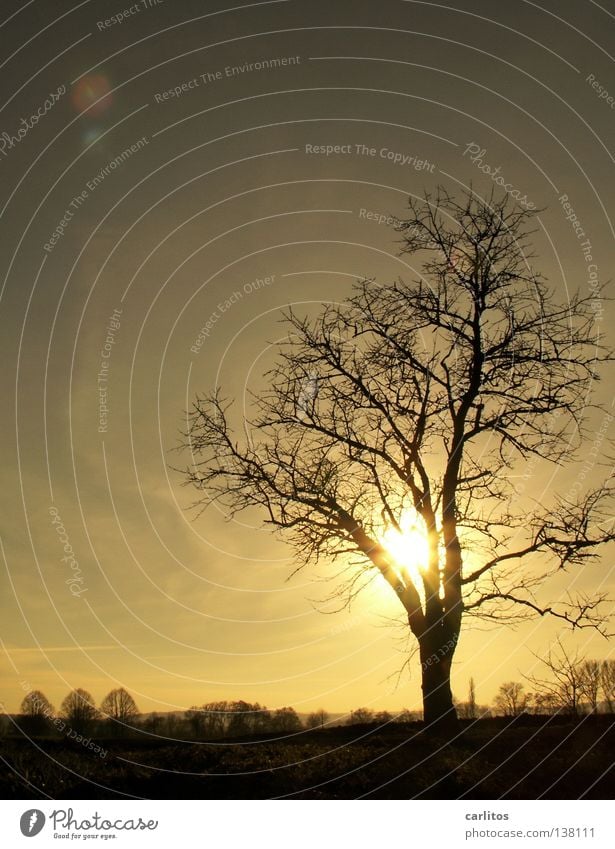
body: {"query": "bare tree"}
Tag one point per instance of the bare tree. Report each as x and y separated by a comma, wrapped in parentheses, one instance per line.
(171, 725)
(210, 719)
(197, 718)
(470, 709)
(511, 699)
(120, 707)
(153, 723)
(418, 402)
(223, 718)
(79, 709)
(285, 720)
(317, 719)
(264, 719)
(36, 703)
(246, 718)
(405, 715)
(607, 680)
(590, 683)
(360, 716)
(383, 717)
(544, 704)
(36, 710)
(563, 689)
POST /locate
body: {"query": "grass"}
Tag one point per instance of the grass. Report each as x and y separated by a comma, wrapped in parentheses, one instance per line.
(490, 759)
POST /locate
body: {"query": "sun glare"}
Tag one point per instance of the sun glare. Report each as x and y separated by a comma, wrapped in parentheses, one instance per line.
(408, 548)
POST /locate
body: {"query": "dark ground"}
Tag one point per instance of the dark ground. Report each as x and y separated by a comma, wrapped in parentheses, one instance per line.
(528, 758)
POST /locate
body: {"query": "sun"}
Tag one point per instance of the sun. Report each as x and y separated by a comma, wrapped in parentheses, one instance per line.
(408, 547)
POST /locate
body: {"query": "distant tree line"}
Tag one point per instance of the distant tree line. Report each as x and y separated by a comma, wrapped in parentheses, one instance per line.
(118, 716)
(570, 685)
(237, 719)
(78, 712)
(362, 716)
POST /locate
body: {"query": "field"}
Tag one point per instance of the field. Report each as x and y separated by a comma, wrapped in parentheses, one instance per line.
(527, 758)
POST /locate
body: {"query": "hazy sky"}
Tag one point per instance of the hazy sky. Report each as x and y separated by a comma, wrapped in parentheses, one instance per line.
(112, 266)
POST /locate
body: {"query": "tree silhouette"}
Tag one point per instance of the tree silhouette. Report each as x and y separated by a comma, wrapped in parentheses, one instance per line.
(544, 704)
(153, 723)
(416, 403)
(317, 719)
(564, 688)
(216, 715)
(120, 707)
(472, 710)
(285, 720)
(511, 699)
(220, 719)
(245, 718)
(36, 710)
(406, 715)
(197, 719)
(383, 717)
(79, 709)
(607, 681)
(360, 716)
(590, 683)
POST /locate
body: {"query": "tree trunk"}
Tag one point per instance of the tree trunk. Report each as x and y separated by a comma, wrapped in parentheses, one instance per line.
(436, 648)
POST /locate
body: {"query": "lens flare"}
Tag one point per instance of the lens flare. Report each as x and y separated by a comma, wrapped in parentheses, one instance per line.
(408, 548)
(92, 91)
(408, 545)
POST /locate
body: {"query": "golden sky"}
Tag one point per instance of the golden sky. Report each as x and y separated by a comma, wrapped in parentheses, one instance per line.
(167, 274)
